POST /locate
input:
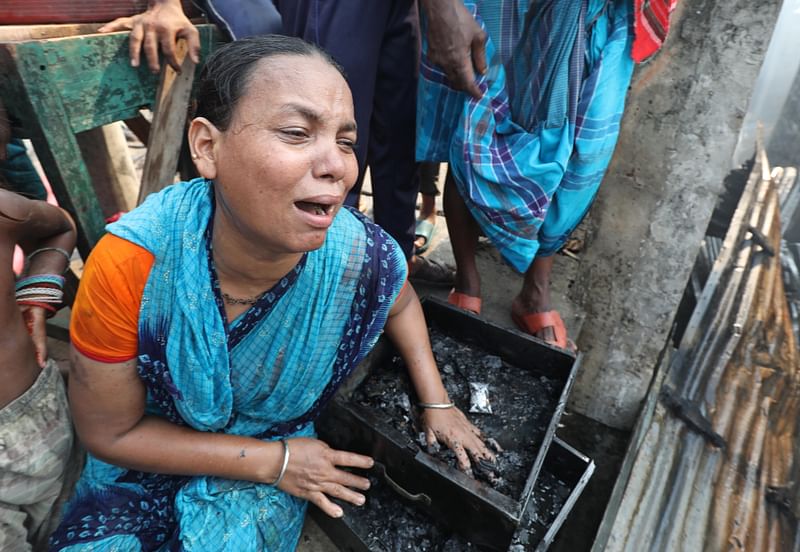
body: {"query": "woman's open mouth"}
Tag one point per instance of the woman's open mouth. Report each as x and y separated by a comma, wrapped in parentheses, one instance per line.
(319, 209)
(318, 212)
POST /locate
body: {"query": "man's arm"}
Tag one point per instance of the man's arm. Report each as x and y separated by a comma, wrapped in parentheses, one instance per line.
(161, 25)
(456, 43)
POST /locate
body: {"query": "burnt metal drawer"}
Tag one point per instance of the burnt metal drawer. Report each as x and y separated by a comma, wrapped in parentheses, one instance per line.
(486, 516)
(389, 521)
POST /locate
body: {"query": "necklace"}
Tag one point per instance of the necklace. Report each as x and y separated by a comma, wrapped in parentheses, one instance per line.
(229, 299)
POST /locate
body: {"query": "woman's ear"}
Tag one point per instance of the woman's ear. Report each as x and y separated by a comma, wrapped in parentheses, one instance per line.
(203, 136)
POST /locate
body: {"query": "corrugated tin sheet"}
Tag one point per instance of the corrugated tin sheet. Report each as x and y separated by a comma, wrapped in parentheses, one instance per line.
(790, 258)
(712, 462)
(789, 197)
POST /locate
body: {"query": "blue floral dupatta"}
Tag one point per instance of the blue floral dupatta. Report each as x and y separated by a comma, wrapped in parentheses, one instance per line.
(267, 375)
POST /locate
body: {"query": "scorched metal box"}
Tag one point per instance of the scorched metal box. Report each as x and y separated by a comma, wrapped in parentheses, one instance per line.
(387, 522)
(477, 511)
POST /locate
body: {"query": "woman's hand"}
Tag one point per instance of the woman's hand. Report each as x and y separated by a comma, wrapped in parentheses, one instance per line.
(35, 321)
(450, 427)
(313, 474)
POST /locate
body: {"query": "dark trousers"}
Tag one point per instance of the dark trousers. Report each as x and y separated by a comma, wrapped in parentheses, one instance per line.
(377, 44)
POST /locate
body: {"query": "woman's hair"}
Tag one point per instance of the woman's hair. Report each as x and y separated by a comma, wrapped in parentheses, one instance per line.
(227, 71)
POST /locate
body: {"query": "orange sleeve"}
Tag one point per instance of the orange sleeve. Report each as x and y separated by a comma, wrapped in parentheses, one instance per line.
(104, 325)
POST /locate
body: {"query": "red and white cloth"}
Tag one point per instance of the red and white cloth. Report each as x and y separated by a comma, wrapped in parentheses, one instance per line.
(651, 26)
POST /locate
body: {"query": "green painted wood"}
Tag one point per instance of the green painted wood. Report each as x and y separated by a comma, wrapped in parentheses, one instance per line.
(94, 71)
(56, 88)
(38, 105)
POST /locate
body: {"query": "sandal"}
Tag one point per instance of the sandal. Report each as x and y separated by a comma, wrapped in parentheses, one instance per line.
(463, 301)
(424, 229)
(431, 273)
(534, 322)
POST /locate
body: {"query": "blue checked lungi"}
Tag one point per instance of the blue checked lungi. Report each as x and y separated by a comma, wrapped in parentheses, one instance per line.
(529, 155)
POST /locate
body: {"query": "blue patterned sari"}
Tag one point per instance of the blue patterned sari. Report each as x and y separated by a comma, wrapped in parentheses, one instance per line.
(267, 375)
(529, 155)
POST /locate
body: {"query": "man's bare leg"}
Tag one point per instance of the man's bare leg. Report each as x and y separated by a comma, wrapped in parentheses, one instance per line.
(535, 293)
(464, 232)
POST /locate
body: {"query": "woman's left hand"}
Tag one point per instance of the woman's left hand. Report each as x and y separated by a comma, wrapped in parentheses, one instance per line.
(35, 321)
(451, 428)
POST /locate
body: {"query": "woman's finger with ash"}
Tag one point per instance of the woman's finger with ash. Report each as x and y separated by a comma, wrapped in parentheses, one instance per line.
(461, 457)
(492, 442)
(433, 442)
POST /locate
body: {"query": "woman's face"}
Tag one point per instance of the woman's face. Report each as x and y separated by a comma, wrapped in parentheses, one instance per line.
(284, 166)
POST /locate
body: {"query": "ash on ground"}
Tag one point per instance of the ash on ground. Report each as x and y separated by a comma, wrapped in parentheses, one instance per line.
(523, 403)
(548, 498)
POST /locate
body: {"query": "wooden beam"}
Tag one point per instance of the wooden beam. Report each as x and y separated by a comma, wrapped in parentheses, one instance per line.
(106, 154)
(169, 124)
(16, 33)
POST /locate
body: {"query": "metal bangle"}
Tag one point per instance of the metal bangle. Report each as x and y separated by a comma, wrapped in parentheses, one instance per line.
(57, 249)
(284, 465)
(440, 406)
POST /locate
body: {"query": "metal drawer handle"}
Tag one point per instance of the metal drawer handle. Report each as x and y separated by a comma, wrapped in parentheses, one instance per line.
(420, 497)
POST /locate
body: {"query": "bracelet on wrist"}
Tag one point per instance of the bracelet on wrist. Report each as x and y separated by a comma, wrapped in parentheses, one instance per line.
(64, 252)
(437, 406)
(51, 310)
(284, 465)
(42, 280)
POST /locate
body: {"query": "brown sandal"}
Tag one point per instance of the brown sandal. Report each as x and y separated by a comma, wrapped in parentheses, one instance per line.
(534, 322)
(463, 301)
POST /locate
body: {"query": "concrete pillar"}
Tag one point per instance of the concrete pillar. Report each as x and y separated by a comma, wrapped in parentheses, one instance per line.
(681, 124)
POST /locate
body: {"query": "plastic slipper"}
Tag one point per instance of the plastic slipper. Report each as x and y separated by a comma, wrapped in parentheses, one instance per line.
(463, 301)
(424, 229)
(535, 322)
(431, 273)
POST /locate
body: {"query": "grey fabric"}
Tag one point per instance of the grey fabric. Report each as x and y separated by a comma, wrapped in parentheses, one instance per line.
(36, 444)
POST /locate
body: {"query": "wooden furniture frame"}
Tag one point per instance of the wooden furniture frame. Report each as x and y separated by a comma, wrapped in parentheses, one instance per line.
(56, 88)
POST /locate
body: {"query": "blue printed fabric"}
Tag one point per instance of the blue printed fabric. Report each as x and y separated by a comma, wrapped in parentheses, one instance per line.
(528, 156)
(266, 375)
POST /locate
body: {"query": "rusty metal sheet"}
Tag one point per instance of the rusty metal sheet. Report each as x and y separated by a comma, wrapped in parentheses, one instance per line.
(714, 457)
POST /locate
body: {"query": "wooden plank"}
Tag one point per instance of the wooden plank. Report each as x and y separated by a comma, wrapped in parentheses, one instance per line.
(140, 128)
(56, 88)
(94, 77)
(106, 154)
(71, 11)
(32, 97)
(16, 33)
(169, 124)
